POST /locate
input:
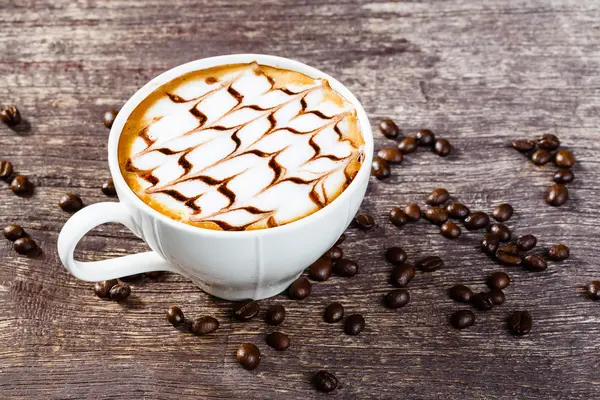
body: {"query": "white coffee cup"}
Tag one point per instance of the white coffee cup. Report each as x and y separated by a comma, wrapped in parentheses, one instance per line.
(232, 265)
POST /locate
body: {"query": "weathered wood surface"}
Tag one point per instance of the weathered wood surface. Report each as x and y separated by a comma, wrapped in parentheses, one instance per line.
(477, 72)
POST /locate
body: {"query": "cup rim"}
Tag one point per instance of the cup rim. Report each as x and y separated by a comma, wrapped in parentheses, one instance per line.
(204, 63)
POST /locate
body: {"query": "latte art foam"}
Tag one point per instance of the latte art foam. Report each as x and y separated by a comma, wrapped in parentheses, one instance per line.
(242, 146)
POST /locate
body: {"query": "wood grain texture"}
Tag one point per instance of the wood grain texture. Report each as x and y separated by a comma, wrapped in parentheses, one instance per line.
(478, 73)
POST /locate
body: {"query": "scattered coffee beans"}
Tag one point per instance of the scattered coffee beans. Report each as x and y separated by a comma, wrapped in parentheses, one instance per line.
(246, 310)
(397, 298)
(204, 326)
(278, 341)
(391, 154)
(20, 185)
(436, 215)
(526, 242)
(335, 253)
(413, 212)
(564, 176)
(462, 319)
(300, 288)
(503, 212)
(535, 263)
(346, 268)
(380, 168)
(248, 356)
(108, 188)
(119, 292)
(109, 117)
(442, 147)
(593, 290)
(364, 221)
(320, 270)
(389, 128)
(490, 243)
(174, 315)
(402, 275)
(395, 255)
(523, 145)
(430, 263)
(557, 195)
(13, 231)
(548, 142)
(520, 323)
(10, 115)
(425, 138)
(509, 254)
(483, 301)
(408, 145)
(70, 202)
(476, 220)
(461, 293)
(541, 157)
(564, 159)
(438, 197)
(334, 313)
(26, 246)
(501, 230)
(102, 289)
(458, 211)
(450, 230)
(497, 296)
(398, 217)
(275, 315)
(325, 382)
(558, 252)
(354, 325)
(498, 280)
(6, 170)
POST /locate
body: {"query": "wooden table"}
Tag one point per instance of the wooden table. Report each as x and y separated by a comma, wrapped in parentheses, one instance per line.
(480, 73)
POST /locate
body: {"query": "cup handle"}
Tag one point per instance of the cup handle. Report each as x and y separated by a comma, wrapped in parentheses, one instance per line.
(87, 219)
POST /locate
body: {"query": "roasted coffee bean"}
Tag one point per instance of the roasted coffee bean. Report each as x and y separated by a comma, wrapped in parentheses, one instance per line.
(430, 263)
(246, 310)
(20, 185)
(391, 154)
(520, 323)
(398, 217)
(450, 230)
(153, 274)
(174, 315)
(277, 340)
(558, 252)
(460, 293)
(364, 221)
(70, 202)
(10, 115)
(541, 157)
(320, 270)
(300, 289)
(557, 195)
(6, 170)
(535, 263)
(380, 168)
(341, 239)
(334, 313)
(462, 319)
(548, 142)
(109, 117)
(483, 301)
(490, 243)
(325, 382)
(102, 289)
(119, 292)
(564, 159)
(497, 296)
(402, 275)
(523, 145)
(389, 128)
(275, 315)
(354, 325)
(476, 220)
(108, 188)
(335, 253)
(413, 212)
(564, 176)
(204, 326)
(397, 298)
(526, 242)
(593, 290)
(438, 197)
(436, 215)
(509, 254)
(26, 245)
(498, 280)
(458, 211)
(501, 230)
(408, 145)
(425, 138)
(346, 268)
(13, 231)
(503, 212)
(248, 356)
(395, 255)
(442, 147)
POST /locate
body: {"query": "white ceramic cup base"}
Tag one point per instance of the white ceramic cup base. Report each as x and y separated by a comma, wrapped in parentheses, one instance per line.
(231, 265)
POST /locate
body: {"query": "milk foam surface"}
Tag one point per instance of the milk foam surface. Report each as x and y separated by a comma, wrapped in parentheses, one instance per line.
(241, 147)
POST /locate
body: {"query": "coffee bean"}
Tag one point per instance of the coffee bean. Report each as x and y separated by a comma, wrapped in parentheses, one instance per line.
(20, 185)
(109, 117)
(248, 356)
(340, 239)
(425, 138)
(300, 289)
(564, 159)
(430, 263)
(380, 168)
(490, 243)
(398, 217)
(389, 128)
(497, 296)
(119, 292)
(108, 188)
(442, 147)
(541, 157)
(460, 293)
(438, 197)
(70, 202)
(364, 221)
(520, 323)
(153, 274)
(526, 242)
(503, 212)
(498, 280)
(354, 325)
(10, 115)
(204, 326)
(346, 268)
(593, 290)
(320, 270)
(564, 176)
(523, 145)
(6, 170)
(13, 231)
(557, 195)
(509, 254)
(277, 340)
(462, 319)
(476, 220)
(391, 154)
(450, 230)
(413, 212)
(436, 215)
(558, 252)
(535, 263)
(335, 253)
(402, 275)
(458, 211)
(325, 382)
(334, 313)
(246, 310)
(483, 301)
(408, 145)
(397, 298)
(174, 315)
(275, 315)
(548, 142)
(102, 289)
(501, 230)
(395, 255)
(26, 246)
